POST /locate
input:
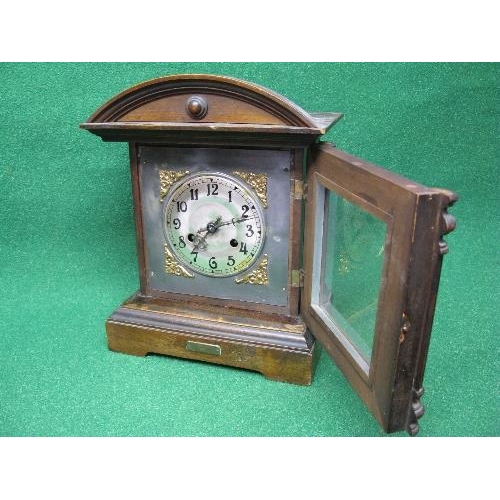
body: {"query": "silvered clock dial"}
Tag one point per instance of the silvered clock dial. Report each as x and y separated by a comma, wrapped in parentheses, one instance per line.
(214, 225)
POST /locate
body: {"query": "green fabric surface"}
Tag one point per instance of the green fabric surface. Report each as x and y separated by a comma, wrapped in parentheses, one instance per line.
(68, 255)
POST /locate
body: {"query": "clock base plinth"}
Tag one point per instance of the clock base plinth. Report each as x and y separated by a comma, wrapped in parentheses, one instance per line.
(280, 351)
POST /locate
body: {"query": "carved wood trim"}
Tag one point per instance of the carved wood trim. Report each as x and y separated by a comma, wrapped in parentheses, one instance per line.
(446, 224)
(431, 222)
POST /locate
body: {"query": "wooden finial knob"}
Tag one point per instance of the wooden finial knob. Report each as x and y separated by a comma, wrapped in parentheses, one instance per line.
(197, 107)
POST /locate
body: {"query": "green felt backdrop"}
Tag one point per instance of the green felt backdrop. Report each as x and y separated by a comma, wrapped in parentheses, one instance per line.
(67, 255)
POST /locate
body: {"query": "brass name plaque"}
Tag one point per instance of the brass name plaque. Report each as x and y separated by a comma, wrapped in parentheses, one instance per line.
(212, 349)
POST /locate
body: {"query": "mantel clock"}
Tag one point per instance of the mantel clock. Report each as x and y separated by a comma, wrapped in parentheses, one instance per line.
(255, 239)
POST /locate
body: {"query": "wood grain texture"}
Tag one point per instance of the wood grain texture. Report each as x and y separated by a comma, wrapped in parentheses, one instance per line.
(230, 100)
(204, 134)
(280, 351)
(139, 230)
(158, 110)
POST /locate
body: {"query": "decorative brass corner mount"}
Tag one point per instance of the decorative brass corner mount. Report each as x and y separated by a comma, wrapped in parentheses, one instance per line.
(259, 275)
(167, 178)
(173, 267)
(258, 182)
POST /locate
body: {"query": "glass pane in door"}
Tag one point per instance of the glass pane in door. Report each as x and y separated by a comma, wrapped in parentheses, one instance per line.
(352, 259)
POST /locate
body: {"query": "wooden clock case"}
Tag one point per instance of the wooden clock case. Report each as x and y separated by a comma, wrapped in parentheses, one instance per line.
(222, 113)
(267, 338)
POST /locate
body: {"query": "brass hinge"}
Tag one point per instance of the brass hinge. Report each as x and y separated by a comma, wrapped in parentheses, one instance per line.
(299, 190)
(297, 278)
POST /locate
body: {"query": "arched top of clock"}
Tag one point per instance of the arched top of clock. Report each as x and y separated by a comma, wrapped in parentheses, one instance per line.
(203, 103)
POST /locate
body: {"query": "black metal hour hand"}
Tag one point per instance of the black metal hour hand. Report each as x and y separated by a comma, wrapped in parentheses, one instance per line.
(200, 242)
(211, 227)
(200, 238)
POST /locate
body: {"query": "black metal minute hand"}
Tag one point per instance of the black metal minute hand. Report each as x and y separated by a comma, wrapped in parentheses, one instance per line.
(200, 242)
(235, 221)
(212, 227)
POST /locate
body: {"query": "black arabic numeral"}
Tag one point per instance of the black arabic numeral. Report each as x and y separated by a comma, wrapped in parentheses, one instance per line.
(212, 263)
(194, 194)
(177, 223)
(250, 231)
(182, 206)
(195, 253)
(182, 243)
(245, 209)
(230, 260)
(212, 189)
(243, 248)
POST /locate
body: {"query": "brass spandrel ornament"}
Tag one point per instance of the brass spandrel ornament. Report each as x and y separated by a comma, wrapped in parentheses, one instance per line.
(259, 276)
(167, 178)
(172, 266)
(258, 182)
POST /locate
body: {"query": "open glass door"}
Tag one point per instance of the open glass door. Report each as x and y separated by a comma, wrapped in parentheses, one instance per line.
(372, 259)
